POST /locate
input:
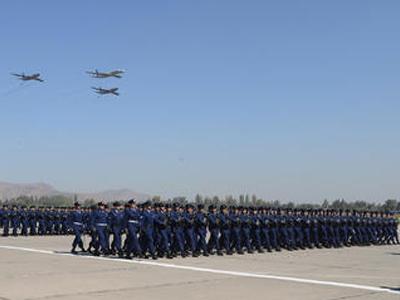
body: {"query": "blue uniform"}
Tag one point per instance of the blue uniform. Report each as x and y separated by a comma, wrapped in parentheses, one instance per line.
(116, 218)
(201, 222)
(148, 232)
(76, 223)
(133, 220)
(100, 222)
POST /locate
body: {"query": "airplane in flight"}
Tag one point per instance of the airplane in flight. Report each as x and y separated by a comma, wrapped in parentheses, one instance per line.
(97, 74)
(28, 77)
(102, 91)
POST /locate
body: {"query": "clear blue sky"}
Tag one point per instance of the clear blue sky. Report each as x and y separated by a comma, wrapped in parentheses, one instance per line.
(291, 100)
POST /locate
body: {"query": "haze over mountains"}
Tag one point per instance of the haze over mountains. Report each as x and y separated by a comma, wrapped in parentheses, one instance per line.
(14, 190)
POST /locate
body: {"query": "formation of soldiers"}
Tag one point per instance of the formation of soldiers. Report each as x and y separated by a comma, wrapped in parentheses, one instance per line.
(164, 230)
(34, 221)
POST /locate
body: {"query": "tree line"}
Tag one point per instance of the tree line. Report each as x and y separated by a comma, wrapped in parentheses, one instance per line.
(242, 200)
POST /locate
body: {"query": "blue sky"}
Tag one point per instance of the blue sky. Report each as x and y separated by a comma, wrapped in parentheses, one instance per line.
(291, 100)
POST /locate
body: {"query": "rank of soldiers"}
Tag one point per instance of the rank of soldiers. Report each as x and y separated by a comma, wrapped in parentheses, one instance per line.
(164, 230)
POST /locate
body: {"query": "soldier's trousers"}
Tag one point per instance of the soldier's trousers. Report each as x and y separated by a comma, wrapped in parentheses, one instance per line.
(274, 237)
(316, 239)
(190, 239)
(42, 228)
(78, 230)
(213, 242)
(117, 239)
(15, 227)
(163, 241)
(201, 240)
(25, 226)
(103, 241)
(133, 241)
(256, 238)
(6, 228)
(179, 240)
(225, 239)
(307, 236)
(32, 226)
(299, 240)
(246, 238)
(148, 241)
(235, 238)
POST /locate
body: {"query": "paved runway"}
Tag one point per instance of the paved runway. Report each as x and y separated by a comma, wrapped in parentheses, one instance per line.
(41, 268)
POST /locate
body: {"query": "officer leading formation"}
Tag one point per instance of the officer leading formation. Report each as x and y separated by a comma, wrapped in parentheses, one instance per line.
(164, 230)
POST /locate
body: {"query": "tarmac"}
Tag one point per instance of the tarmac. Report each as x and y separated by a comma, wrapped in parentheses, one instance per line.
(42, 268)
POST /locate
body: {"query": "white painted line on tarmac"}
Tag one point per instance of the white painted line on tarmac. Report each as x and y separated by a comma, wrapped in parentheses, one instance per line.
(214, 271)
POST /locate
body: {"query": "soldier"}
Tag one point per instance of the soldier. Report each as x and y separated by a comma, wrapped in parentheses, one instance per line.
(24, 219)
(76, 223)
(133, 221)
(315, 228)
(148, 230)
(298, 230)
(235, 238)
(214, 229)
(177, 228)
(255, 230)
(5, 220)
(64, 220)
(116, 217)
(246, 223)
(15, 220)
(201, 223)
(161, 226)
(32, 220)
(90, 228)
(274, 229)
(100, 221)
(306, 224)
(188, 217)
(225, 226)
(57, 221)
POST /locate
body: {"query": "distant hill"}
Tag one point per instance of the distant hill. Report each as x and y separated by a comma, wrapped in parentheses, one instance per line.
(14, 190)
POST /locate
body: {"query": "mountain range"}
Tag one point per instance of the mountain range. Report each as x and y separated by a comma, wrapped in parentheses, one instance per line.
(14, 190)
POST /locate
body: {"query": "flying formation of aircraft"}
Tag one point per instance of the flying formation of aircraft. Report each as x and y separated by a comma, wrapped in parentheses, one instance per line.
(97, 74)
(102, 91)
(28, 77)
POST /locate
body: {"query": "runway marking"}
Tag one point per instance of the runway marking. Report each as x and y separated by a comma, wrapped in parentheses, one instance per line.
(214, 271)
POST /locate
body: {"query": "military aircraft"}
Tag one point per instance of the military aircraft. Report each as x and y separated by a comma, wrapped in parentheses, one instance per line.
(97, 74)
(101, 91)
(28, 77)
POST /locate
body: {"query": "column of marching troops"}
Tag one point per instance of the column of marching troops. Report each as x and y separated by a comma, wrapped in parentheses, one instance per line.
(165, 230)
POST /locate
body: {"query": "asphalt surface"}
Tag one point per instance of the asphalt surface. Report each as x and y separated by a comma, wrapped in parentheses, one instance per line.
(41, 268)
